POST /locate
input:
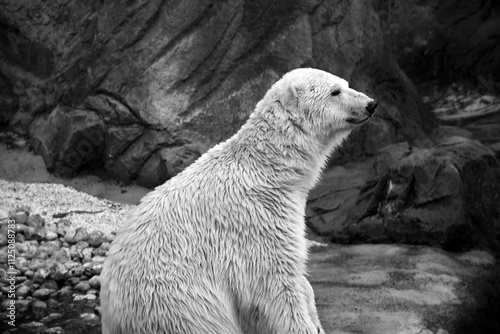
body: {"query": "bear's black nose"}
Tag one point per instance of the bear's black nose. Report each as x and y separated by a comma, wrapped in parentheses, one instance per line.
(370, 107)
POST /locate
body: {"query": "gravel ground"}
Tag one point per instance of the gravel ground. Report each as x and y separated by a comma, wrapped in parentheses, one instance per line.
(56, 201)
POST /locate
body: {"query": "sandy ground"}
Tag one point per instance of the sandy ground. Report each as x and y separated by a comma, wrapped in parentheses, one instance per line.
(87, 200)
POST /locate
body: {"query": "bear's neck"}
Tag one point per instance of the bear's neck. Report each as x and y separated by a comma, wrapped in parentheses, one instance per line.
(288, 157)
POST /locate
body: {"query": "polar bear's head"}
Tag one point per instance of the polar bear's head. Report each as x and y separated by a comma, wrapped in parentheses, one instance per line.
(322, 103)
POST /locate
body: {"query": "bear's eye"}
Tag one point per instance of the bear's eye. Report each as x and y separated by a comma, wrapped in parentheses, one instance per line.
(335, 92)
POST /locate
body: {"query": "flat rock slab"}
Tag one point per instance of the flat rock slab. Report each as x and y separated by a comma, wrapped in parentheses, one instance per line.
(405, 289)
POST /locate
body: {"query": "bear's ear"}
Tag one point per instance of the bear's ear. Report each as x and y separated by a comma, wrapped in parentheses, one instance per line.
(290, 98)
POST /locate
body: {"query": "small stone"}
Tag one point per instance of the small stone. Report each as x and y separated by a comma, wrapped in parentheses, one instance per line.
(42, 294)
(95, 282)
(53, 303)
(35, 233)
(71, 264)
(81, 245)
(20, 228)
(20, 217)
(20, 238)
(58, 272)
(84, 297)
(99, 259)
(53, 330)
(75, 253)
(32, 252)
(3, 255)
(22, 264)
(41, 274)
(35, 264)
(82, 287)
(22, 247)
(51, 285)
(73, 281)
(102, 250)
(77, 271)
(50, 235)
(42, 256)
(65, 295)
(95, 239)
(23, 305)
(62, 255)
(51, 317)
(49, 247)
(3, 240)
(39, 308)
(96, 268)
(23, 291)
(87, 255)
(93, 292)
(32, 326)
(35, 221)
(109, 237)
(20, 279)
(29, 273)
(69, 235)
(81, 234)
(90, 318)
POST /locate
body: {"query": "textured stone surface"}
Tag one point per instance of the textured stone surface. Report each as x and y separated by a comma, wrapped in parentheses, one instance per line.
(68, 139)
(455, 39)
(446, 195)
(174, 78)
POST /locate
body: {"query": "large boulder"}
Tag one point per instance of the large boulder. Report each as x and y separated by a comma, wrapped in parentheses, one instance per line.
(170, 79)
(68, 139)
(446, 196)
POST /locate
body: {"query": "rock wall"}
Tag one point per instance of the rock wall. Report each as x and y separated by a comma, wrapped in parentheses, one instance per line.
(445, 195)
(143, 88)
(449, 39)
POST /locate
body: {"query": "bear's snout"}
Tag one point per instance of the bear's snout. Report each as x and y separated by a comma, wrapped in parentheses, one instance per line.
(371, 106)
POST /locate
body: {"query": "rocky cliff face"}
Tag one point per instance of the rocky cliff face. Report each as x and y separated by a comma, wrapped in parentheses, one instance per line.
(143, 88)
(449, 39)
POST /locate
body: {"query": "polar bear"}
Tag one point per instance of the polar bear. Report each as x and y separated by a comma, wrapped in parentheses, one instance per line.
(220, 248)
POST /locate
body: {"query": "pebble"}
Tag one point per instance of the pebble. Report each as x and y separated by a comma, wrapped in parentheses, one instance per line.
(42, 294)
(41, 274)
(95, 239)
(19, 217)
(82, 287)
(32, 326)
(3, 240)
(81, 234)
(84, 297)
(51, 317)
(62, 255)
(23, 291)
(22, 247)
(50, 235)
(90, 318)
(56, 266)
(54, 330)
(65, 295)
(39, 308)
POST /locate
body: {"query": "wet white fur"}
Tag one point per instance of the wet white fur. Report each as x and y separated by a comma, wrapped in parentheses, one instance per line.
(220, 248)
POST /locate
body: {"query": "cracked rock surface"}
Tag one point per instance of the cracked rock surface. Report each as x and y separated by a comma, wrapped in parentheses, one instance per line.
(151, 85)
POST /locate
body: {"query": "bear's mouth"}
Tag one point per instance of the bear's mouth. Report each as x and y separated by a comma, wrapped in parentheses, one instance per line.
(357, 121)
